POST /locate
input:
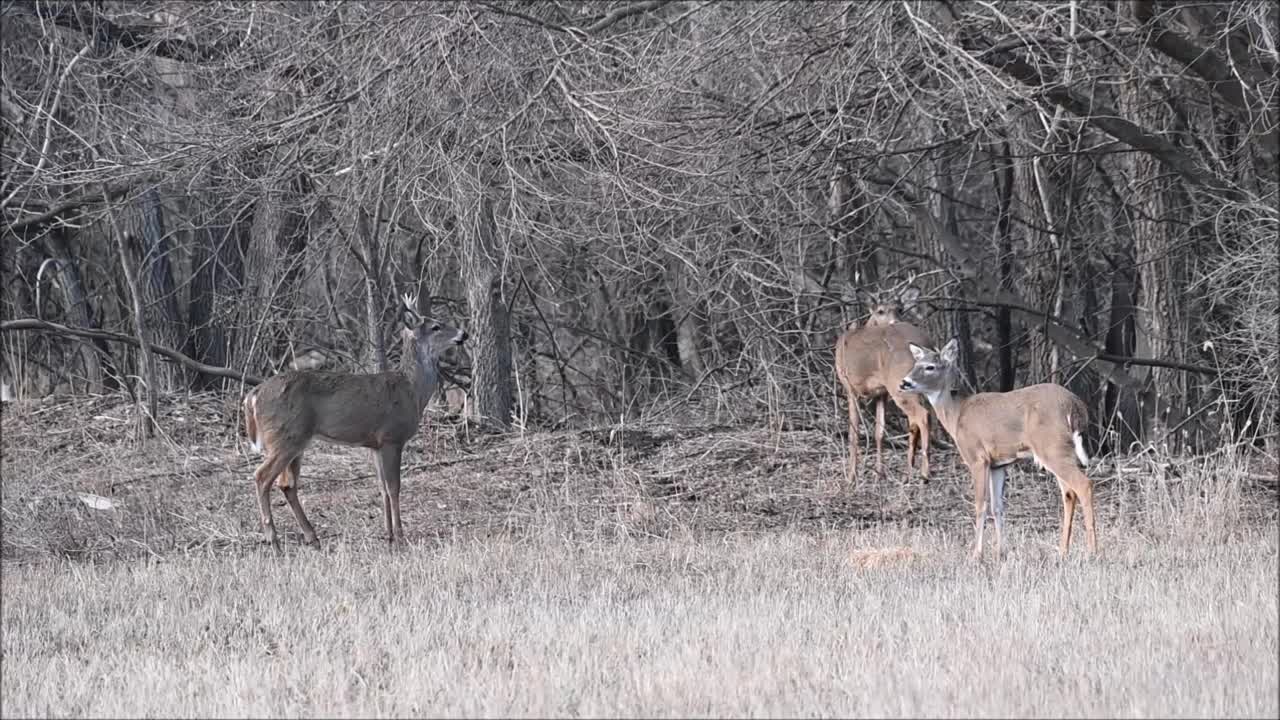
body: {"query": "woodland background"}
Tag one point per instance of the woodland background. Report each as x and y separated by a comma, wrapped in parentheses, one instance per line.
(650, 209)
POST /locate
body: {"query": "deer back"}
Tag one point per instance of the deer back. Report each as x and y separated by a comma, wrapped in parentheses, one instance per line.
(370, 410)
(1038, 418)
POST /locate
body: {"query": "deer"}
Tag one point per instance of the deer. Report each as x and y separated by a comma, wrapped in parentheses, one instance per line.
(992, 430)
(380, 411)
(870, 362)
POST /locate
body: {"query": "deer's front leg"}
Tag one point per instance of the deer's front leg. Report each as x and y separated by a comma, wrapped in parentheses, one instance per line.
(390, 463)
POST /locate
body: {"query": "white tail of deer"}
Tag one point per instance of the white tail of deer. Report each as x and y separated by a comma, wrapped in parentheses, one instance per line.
(871, 361)
(380, 411)
(1045, 422)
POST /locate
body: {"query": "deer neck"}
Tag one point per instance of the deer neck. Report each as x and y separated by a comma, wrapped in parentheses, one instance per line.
(424, 371)
(946, 405)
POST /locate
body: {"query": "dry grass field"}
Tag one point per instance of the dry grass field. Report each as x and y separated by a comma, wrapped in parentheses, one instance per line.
(645, 571)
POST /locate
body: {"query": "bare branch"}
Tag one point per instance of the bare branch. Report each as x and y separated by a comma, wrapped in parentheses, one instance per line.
(173, 355)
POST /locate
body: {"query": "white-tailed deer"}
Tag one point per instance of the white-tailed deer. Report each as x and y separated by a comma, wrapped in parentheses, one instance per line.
(870, 363)
(380, 411)
(1045, 422)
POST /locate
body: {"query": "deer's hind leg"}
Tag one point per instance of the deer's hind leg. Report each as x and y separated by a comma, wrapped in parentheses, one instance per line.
(289, 484)
(1074, 486)
(981, 484)
(851, 473)
(274, 464)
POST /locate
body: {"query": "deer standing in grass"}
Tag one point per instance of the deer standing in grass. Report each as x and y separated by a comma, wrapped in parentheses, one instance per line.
(379, 411)
(870, 363)
(1045, 422)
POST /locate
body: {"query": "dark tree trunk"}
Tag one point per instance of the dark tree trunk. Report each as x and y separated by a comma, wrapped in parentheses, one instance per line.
(78, 310)
(164, 321)
(216, 281)
(1120, 406)
(1004, 318)
(490, 331)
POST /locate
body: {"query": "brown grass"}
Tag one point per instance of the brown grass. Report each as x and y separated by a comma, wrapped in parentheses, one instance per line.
(653, 572)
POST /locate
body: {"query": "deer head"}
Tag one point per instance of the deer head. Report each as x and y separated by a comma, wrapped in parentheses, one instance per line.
(431, 338)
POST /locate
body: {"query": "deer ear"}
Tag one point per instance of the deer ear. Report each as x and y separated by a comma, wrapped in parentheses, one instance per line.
(917, 352)
(951, 351)
(408, 318)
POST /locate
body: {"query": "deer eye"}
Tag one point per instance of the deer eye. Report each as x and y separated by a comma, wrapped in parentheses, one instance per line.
(435, 327)
(930, 368)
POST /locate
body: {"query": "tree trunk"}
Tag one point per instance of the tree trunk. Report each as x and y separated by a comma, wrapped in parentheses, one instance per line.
(277, 239)
(490, 342)
(147, 420)
(370, 256)
(158, 290)
(1159, 264)
(1120, 408)
(215, 281)
(77, 303)
(1004, 231)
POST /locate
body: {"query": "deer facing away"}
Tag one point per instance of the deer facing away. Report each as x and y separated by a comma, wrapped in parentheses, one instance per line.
(379, 411)
(993, 430)
(870, 363)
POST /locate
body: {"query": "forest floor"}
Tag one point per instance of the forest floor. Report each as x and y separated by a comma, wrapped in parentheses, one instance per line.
(642, 570)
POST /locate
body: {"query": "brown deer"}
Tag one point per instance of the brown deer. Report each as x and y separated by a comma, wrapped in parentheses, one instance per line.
(1045, 422)
(379, 411)
(870, 363)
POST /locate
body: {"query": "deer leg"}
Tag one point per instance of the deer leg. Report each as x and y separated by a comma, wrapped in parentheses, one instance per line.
(997, 506)
(391, 476)
(293, 475)
(852, 475)
(917, 433)
(263, 478)
(386, 512)
(1086, 508)
(1068, 514)
(980, 471)
(1080, 487)
(924, 444)
(380, 466)
(879, 434)
(913, 442)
